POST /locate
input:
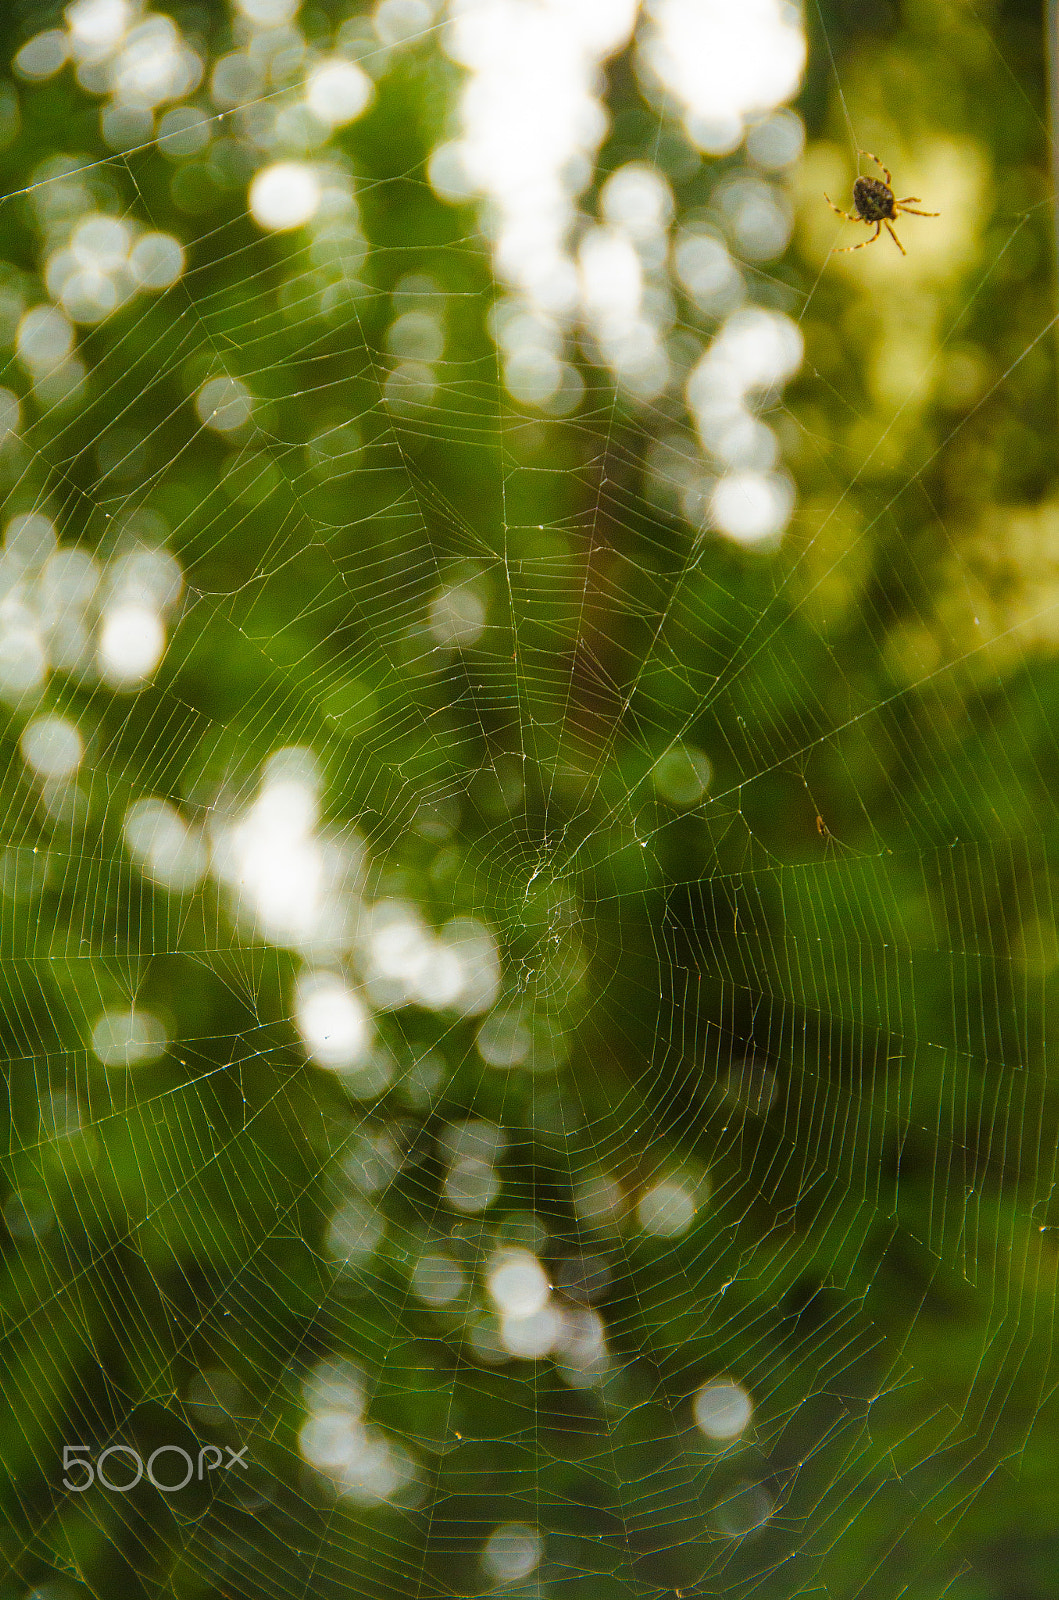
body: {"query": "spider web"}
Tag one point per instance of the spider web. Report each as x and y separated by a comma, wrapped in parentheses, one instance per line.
(526, 991)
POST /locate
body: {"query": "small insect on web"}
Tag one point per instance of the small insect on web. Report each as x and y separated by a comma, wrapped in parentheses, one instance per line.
(874, 202)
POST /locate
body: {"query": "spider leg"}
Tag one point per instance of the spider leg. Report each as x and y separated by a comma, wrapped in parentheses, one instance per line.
(899, 205)
(863, 244)
(878, 163)
(909, 200)
(840, 212)
(896, 240)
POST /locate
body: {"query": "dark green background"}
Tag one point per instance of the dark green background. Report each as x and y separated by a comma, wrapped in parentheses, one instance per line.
(875, 1264)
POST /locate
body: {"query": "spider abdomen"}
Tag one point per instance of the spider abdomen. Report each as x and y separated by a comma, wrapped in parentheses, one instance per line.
(873, 199)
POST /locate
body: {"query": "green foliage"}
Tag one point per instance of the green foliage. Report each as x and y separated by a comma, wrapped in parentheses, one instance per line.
(765, 840)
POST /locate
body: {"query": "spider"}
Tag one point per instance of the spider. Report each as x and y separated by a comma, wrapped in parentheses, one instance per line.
(874, 202)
